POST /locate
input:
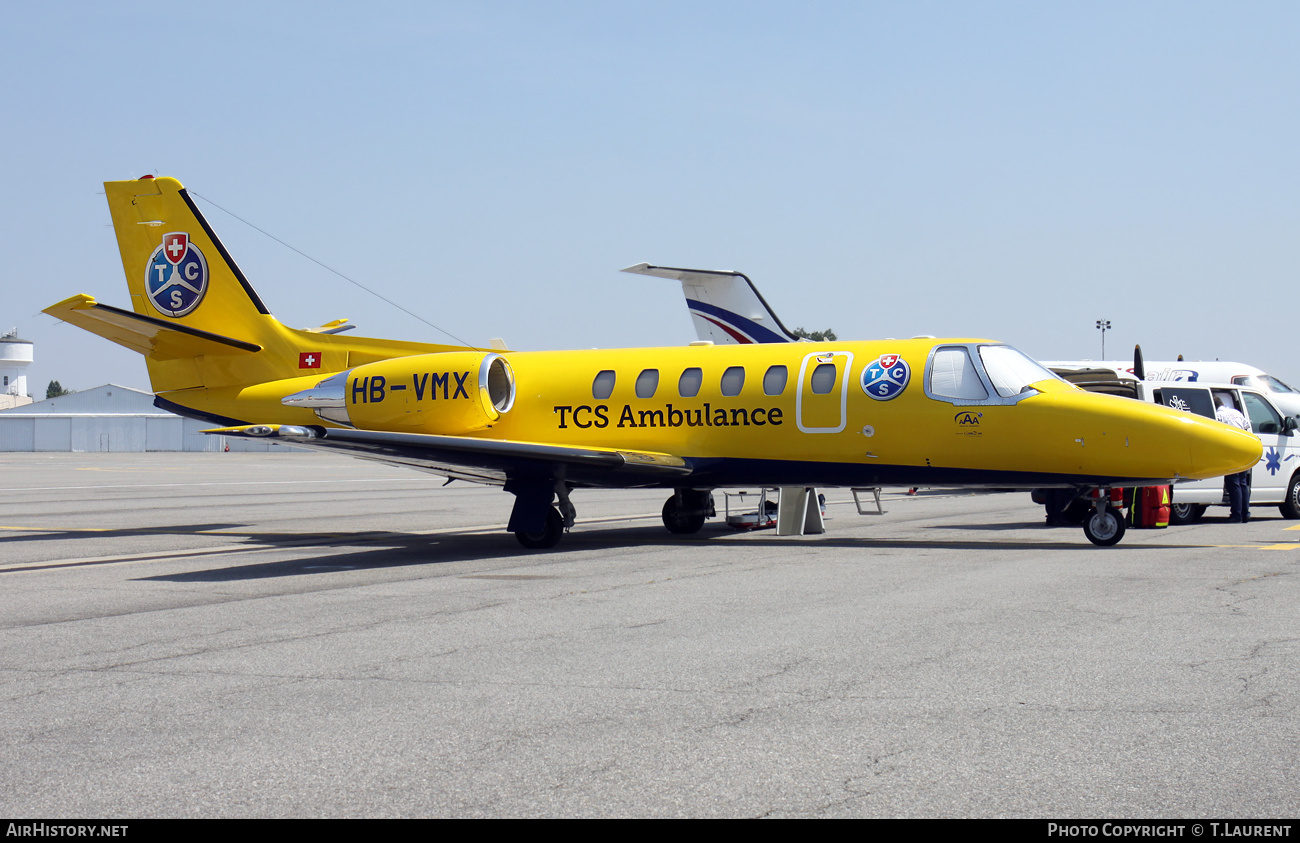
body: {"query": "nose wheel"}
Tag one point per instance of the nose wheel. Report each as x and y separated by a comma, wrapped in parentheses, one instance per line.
(1104, 526)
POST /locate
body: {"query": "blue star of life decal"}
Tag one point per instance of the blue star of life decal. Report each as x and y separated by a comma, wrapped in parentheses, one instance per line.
(886, 377)
(176, 276)
(1272, 460)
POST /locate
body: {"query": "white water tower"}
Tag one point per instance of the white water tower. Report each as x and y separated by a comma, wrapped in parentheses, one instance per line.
(15, 357)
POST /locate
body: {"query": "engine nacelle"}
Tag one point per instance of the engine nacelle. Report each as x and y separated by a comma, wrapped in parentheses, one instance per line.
(449, 393)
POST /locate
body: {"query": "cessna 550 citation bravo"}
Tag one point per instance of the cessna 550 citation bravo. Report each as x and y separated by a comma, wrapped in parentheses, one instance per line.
(948, 412)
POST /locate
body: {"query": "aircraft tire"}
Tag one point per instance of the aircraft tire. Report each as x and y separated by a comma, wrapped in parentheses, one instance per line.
(548, 537)
(679, 523)
(1291, 506)
(1104, 528)
(1185, 513)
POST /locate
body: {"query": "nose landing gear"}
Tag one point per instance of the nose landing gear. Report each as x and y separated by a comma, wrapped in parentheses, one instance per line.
(1105, 525)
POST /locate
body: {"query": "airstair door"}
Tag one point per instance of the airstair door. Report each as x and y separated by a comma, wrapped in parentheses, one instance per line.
(822, 402)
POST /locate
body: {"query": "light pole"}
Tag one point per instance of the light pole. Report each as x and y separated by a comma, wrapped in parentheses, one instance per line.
(1103, 325)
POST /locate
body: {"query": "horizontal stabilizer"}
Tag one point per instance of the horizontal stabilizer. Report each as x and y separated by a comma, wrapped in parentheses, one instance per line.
(146, 334)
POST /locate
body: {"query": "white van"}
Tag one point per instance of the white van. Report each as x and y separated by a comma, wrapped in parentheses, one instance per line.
(1275, 478)
(1286, 398)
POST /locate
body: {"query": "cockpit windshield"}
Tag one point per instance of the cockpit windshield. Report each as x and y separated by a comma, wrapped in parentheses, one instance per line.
(1011, 371)
(971, 373)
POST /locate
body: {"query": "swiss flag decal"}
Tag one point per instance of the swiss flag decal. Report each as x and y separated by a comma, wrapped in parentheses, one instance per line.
(309, 360)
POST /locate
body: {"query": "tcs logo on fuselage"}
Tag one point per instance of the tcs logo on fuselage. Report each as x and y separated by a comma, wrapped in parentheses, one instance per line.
(176, 276)
(886, 377)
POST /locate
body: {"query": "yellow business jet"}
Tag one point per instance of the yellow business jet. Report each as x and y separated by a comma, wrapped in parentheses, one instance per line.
(934, 412)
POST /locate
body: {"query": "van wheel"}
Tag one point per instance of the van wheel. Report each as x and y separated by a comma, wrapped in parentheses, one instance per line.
(1185, 513)
(1105, 527)
(1291, 506)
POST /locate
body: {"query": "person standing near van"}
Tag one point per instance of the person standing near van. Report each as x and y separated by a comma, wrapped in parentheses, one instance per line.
(1236, 485)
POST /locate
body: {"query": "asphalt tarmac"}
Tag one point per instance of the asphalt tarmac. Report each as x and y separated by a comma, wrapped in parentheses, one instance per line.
(210, 635)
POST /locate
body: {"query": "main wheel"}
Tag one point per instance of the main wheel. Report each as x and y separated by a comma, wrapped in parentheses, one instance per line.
(1104, 527)
(548, 537)
(1291, 506)
(679, 522)
(1185, 513)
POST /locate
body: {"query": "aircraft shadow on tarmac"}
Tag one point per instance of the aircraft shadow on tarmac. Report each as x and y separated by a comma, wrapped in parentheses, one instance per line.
(373, 550)
(36, 534)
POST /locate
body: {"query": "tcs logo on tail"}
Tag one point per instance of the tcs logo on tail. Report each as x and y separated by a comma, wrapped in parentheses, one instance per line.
(176, 276)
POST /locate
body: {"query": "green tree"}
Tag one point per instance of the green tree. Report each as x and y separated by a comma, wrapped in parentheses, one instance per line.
(816, 336)
(55, 389)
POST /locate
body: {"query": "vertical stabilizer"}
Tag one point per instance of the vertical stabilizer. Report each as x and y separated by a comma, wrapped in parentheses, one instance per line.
(175, 266)
(194, 316)
(725, 306)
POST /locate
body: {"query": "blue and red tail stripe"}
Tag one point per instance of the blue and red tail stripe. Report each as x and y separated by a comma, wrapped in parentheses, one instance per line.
(742, 330)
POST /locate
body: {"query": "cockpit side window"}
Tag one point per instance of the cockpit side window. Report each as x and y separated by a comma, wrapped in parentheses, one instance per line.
(953, 375)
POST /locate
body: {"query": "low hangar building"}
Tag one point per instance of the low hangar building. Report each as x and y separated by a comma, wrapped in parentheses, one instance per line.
(110, 418)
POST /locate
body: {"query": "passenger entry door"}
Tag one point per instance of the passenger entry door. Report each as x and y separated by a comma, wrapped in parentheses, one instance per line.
(822, 401)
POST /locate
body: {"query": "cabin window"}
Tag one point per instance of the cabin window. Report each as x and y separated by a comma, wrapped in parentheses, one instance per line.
(646, 383)
(688, 385)
(733, 380)
(953, 375)
(823, 378)
(603, 386)
(774, 380)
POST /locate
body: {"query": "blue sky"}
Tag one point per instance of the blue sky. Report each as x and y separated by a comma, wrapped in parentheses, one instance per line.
(1004, 169)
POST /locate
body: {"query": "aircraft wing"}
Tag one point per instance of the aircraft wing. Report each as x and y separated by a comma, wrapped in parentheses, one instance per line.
(488, 461)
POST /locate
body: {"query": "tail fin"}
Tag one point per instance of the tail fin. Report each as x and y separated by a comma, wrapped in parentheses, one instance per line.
(175, 266)
(194, 315)
(725, 306)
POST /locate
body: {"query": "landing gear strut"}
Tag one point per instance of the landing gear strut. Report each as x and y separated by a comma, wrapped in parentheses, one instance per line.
(685, 512)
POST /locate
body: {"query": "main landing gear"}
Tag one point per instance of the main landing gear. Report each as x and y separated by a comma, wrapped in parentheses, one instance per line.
(537, 524)
(548, 537)
(686, 511)
(543, 511)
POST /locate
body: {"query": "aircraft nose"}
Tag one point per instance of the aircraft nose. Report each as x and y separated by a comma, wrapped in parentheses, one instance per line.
(1218, 449)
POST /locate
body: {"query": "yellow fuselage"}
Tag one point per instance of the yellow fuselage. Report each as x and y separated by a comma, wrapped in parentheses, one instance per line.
(802, 432)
